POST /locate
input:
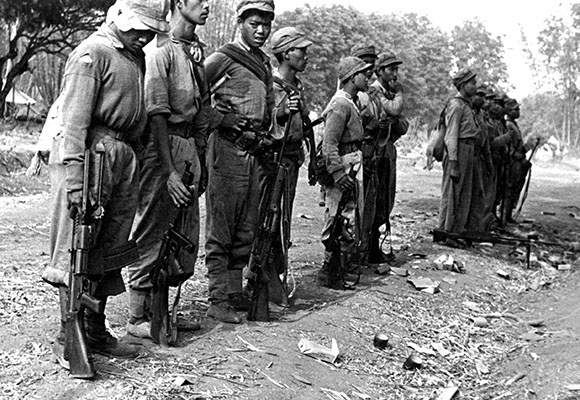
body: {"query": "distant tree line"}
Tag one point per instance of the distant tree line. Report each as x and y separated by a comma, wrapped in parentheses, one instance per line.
(36, 37)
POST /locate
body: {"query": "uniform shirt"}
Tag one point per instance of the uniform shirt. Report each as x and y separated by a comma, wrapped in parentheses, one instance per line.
(103, 86)
(171, 88)
(296, 133)
(343, 126)
(517, 148)
(171, 85)
(243, 94)
(461, 124)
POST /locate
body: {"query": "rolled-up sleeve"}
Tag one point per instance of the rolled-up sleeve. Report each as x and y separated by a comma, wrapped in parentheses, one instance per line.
(157, 83)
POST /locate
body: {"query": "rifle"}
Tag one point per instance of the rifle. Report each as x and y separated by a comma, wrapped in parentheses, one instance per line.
(307, 128)
(260, 264)
(441, 236)
(337, 259)
(529, 178)
(79, 298)
(369, 210)
(163, 322)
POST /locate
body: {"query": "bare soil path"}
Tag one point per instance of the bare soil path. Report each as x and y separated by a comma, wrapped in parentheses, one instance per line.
(505, 359)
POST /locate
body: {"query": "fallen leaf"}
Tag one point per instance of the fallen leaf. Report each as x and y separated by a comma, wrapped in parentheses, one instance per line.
(301, 379)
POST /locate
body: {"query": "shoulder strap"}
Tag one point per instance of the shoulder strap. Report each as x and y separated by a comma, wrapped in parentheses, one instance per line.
(244, 58)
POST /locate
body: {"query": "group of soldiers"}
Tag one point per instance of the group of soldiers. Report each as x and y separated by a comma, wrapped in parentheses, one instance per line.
(484, 161)
(156, 115)
(151, 117)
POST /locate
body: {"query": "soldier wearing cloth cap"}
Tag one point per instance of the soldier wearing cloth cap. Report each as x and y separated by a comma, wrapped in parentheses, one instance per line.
(245, 103)
(462, 187)
(370, 111)
(498, 140)
(484, 162)
(102, 105)
(341, 148)
(392, 125)
(289, 46)
(174, 85)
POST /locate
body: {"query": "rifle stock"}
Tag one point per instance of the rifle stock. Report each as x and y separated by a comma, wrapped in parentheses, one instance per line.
(163, 330)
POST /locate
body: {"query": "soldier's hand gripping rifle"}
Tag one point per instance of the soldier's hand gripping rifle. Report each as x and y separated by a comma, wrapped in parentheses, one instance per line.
(164, 322)
(337, 260)
(260, 265)
(84, 216)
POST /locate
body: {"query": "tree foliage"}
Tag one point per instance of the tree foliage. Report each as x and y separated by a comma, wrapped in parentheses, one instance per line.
(559, 44)
(33, 27)
(475, 48)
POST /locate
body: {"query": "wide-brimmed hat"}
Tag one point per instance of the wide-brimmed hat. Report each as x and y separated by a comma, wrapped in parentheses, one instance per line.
(140, 15)
(349, 66)
(288, 38)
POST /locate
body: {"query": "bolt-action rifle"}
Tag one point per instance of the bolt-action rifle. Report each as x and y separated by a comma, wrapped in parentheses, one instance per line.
(260, 265)
(164, 322)
(478, 237)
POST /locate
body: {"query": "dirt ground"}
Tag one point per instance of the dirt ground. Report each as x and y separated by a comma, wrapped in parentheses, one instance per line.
(501, 357)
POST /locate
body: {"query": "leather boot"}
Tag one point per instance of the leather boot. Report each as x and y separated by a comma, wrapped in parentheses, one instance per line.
(100, 339)
(139, 322)
(236, 298)
(322, 276)
(223, 312)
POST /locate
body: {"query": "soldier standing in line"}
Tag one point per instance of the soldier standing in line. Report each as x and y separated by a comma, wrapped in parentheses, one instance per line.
(245, 102)
(290, 47)
(462, 187)
(484, 163)
(498, 143)
(174, 86)
(341, 147)
(393, 125)
(518, 165)
(102, 106)
(370, 111)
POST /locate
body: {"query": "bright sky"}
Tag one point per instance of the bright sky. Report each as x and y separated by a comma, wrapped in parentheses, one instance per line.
(505, 18)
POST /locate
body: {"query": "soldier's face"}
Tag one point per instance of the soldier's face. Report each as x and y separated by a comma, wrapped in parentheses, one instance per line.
(297, 58)
(194, 11)
(361, 81)
(255, 29)
(478, 100)
(470, 87)
(389, 74)
(134, 40)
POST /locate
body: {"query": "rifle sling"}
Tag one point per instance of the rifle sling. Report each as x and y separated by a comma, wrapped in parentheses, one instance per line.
(245, 59)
